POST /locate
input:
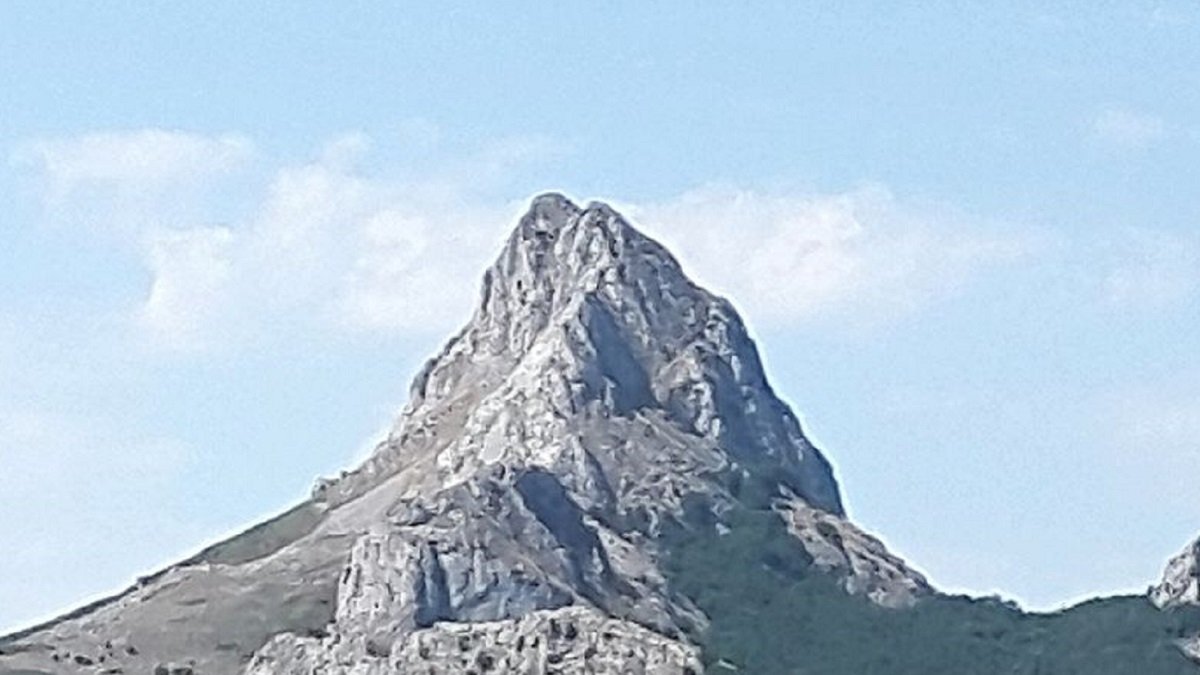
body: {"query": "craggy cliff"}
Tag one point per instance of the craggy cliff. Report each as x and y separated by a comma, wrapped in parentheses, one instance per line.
(593, 476)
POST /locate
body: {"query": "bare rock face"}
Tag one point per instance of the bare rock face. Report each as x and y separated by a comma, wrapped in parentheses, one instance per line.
(584, 317)
(568, 640)
(1191, 647)
(511, 521)
(1180, 583)
(863, 563)
(1180, 586)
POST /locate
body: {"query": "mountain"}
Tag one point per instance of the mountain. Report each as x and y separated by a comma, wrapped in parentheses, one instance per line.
(1180, 587)
(1180, 583)
(594, 475)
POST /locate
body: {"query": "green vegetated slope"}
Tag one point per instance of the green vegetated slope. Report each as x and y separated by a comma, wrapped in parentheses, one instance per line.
(772, 613)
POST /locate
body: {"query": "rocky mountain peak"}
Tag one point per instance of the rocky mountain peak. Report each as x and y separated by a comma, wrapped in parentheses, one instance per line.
(560, 253)
(593, 475)
(597, 406)
(582, 318)
(1180, 584)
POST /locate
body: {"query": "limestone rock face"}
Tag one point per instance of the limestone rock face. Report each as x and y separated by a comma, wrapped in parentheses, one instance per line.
(568, 640)
(1191, 647)
(863, 563)
(511, 520)
(584, 317)
(1180, 584)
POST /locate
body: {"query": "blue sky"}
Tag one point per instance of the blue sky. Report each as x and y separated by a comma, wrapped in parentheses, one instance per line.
(967, 237)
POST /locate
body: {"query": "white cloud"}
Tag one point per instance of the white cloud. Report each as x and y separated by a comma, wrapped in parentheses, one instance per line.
(862, 254)
(1157, 423)
(323, 241)
(401, 257)
(1151, 269)
(124, 180)
(415, 270)
(1171, 16)
(147, 159)
(191, 271)
(346, 149)
(497, 157)
(329, 244)
(1128, 129)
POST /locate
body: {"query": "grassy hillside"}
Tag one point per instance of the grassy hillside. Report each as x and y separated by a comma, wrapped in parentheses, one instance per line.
(772, 613)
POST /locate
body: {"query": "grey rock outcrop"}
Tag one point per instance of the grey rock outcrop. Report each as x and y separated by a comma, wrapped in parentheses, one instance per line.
(1180, 584)
(593, 396)
(584, 316)
(568, 640)
(1191, 647)
(861, 561)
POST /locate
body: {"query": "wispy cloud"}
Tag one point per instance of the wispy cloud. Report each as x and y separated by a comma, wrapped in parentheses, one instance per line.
(325, 242)
(148, 159)
(1171, 15)
(1127, 129)
(1151, 269)
(333, 244)
(192, 270)
(865, 255)
(365, 254)
(1160, 422)
(127, 178)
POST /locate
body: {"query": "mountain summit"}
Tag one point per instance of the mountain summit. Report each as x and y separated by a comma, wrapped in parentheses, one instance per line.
(592, 476)
(581, 321)
(596, 401)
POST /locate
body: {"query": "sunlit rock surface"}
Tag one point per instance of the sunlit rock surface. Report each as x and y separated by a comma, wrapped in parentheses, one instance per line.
(512, 519)
(1180, 584)
(861, 561)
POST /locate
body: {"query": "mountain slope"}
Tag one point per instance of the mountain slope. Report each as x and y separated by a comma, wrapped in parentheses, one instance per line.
(594, 475)
(769, 619)
(595, 396)
(1180, 588)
